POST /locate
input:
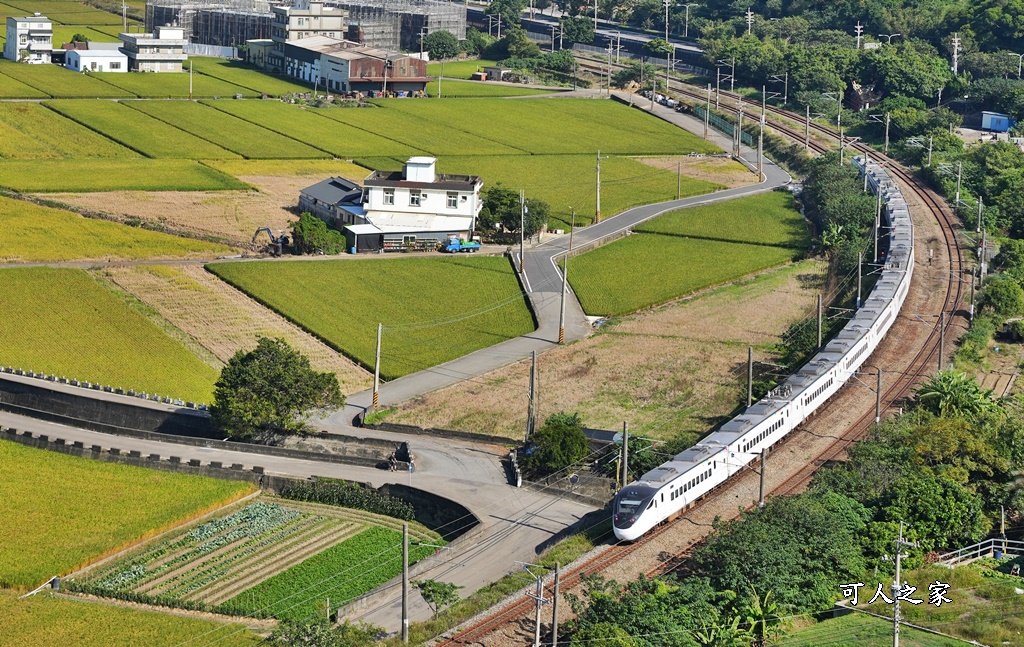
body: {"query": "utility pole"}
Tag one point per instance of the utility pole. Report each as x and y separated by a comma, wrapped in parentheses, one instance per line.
(859, 29)
(625, 453)
(190, 64)
(597, 212)
(888, 120)
(897, 586)
(554, 608)
(1002, 526)
(867, 161)
(807, 130)
(679, 179)
(942, 338)
(595, 15)
(959, 177)
(572, 226)
(405, 581)
(608, 78)
(750, 376)
(707, 114)
(561, 314)
(522, 230)
(540, 602)
(750, 19)
(732, 76)
(956, 54)
(860, 261)
(760, 132)
(531, 410)
(666, 3)
(971, 310)
(931, 139)
(376, 370)
(984, 257)
(819, 321)
(760, 499)
(981, 206)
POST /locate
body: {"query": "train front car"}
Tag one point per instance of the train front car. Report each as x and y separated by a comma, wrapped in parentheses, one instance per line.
(628, 520)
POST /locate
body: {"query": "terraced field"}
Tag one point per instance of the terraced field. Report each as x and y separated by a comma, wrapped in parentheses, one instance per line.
(266, 542)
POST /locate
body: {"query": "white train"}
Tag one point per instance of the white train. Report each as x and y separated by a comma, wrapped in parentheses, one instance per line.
(667, 490)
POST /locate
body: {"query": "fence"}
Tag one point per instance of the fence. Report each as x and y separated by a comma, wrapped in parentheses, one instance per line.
(720, 124)
(983, 549)
(216, 51)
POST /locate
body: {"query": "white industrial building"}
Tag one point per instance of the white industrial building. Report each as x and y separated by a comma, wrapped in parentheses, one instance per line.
(98, 57)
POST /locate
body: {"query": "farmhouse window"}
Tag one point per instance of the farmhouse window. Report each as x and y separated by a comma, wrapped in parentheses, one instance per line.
(115, 65)
(389, 196)
(453, 200)
(414, 197)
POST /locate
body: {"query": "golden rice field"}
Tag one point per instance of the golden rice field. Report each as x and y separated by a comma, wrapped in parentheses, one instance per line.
(35, 233)
(62, 512)
(63, 322)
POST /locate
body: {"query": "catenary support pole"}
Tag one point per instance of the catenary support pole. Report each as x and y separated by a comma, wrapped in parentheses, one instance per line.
(896, 586)
(561, 309)
(530, 413)
(942, 339)
(888, 120)
(522, 230)
(625, 453)
(540, 603)
(860, 263)
(707, 114)
(750, 375)
(878, 397)
(679, 179)
(819, 321)
(760, 498)
(597, 212)
(807, 130)
(554, 608)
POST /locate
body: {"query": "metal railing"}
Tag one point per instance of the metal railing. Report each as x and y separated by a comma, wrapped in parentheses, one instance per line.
(1008, 547)
(720, 124)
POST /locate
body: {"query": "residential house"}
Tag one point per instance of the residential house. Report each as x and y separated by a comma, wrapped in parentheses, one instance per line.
(307, 19)
(29, 39)
(95, 57)
(161, 51)
(412, 208)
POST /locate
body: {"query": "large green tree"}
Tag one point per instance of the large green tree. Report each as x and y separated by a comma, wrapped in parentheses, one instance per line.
(557, 445)
(503, 213)
(441, 45)
(271, 389)
(311, 235)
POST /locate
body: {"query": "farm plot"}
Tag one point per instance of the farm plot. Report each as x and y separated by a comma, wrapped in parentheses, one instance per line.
(43, 621)
(438, 138)
(343, 301)
(613, 280)
(232, 133)
(69, 13)
(138, 131)
(170, 86)
(342, 572)
(64, 33)
(60, 82)
(223, 320)
(33, 233)
(11, 88)
(30, 131)
(560, 126)
(230, 215)
(254, 557)
(304, 125)
(57, 175)
(63, 322)
(556, 179)
(765, 219)
(472, 89)
(246, 76)
(61, 512)
(677, 368)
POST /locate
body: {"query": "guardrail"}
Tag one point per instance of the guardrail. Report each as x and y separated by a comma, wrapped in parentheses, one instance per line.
(142, 395)
(985, 548)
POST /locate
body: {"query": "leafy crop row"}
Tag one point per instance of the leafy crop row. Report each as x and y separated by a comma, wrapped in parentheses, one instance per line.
(341, 573)
(348, 495)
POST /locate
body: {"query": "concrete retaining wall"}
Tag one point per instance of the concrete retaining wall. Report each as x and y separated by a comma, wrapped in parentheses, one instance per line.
(442, 433)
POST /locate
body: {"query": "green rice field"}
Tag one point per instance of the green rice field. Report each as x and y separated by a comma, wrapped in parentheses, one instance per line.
(860, 630)
(31, 131)
(29, 236)
(291, 168)
(459, 69)
(763, 219)
(13, 89)
(61, 512)
(68, 13)
(138, 131)
(340, 574)
(437, 138)
(232, 133)
(560, 126)
(59, 82)
(451, 89)
(172, 85)
(688, 250)
(66, 176)
(69, 325)
(566, 182)
(246, 76)
(341, 302)
(43, 620)
(329, 135)
(64, 33)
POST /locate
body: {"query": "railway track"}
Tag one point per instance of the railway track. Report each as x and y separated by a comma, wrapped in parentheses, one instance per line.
(907, 376)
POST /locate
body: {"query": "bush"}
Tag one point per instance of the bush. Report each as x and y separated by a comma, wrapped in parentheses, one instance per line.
(312, 236)
(348, 495)
(557, 445)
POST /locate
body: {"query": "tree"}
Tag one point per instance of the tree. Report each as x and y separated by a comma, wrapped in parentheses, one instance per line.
(606, 634)
(952, 393)
(518, 45)
(658, 48)
(502, 212)
(269, 390)
(476, 41)
(79, 38)
(437, 594)
(578, 29)
(643, 74)
(319, 633)
(441, 45)
(557, 445)
(942, 512)
(509, 11)
(311, 236)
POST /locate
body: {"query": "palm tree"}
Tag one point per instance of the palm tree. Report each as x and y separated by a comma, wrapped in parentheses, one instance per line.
(952, 393)
(762, 619)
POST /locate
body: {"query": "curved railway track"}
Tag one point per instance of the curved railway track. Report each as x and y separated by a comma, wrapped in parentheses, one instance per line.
(919, 366)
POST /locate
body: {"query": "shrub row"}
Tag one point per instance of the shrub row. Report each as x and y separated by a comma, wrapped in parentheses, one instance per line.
(349, 495)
